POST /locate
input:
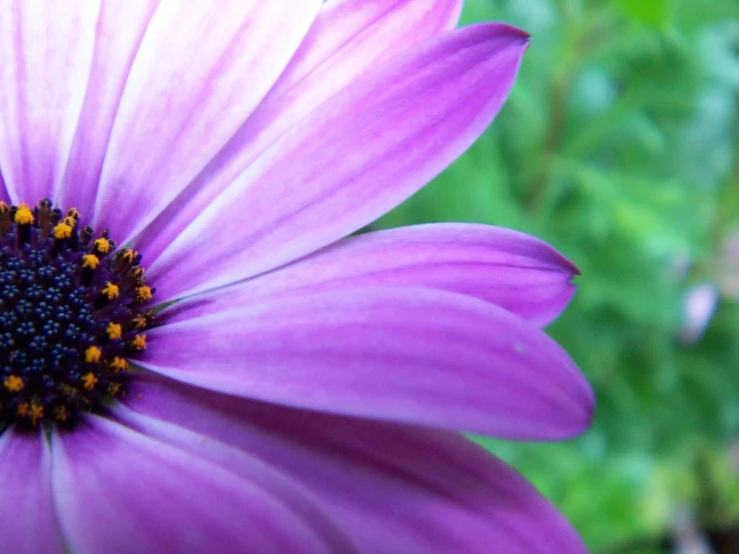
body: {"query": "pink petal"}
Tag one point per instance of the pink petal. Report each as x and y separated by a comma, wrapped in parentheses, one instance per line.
(118, 491)
(347, 38)
(391, 488)
(120, 30)
(352, 159)
(45, 55)
(200, 70)
(411, 355)
(29, 523)
(515, 271)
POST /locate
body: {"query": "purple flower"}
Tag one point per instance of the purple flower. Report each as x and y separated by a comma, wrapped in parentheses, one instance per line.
(285, 390)
(699, 304)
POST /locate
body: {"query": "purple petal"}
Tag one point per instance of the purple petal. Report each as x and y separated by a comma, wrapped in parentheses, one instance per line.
(118, 491)
(45, 55)
(347, 38)
(121, 28)
(199, 72)
(251, 469)
(411, 355)
(3, 191)
(515, 271)
(391, 488)
(352, 159)
(29, 523)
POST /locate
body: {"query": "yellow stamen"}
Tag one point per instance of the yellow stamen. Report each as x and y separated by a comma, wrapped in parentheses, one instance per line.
(111, 291)
(13, 383)
(143, 294)
(89, 380)
(139, 342)
(37, 412)
(90, 261)
(119, 364)
(93, 354)
(128, 255)
(62, 230)
(102, 245)
(136, 271)
(114, 331)
(22, 410)
(139, 322)
(61, 413)
(23, 215)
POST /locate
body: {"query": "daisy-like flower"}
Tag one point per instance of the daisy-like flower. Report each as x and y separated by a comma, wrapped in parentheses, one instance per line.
(265, 385)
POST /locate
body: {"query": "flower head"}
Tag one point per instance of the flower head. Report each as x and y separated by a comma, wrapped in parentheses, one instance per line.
(264, 385)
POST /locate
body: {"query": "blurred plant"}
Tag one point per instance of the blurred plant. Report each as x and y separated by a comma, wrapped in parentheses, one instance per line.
(620, 145)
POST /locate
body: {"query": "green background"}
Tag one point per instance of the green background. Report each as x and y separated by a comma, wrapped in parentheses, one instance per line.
(619, 146)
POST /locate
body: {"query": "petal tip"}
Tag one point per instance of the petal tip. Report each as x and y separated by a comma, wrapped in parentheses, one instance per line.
(578, 412)
(498, 31)
(516, 33)
(585, 409)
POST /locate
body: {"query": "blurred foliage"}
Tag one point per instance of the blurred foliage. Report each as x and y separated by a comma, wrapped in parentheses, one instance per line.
(620, 146)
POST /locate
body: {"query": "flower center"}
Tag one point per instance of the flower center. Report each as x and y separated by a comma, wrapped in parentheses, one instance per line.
(72, 310)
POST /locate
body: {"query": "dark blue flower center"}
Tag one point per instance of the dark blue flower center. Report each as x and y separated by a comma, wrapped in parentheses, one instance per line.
(72, 310)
